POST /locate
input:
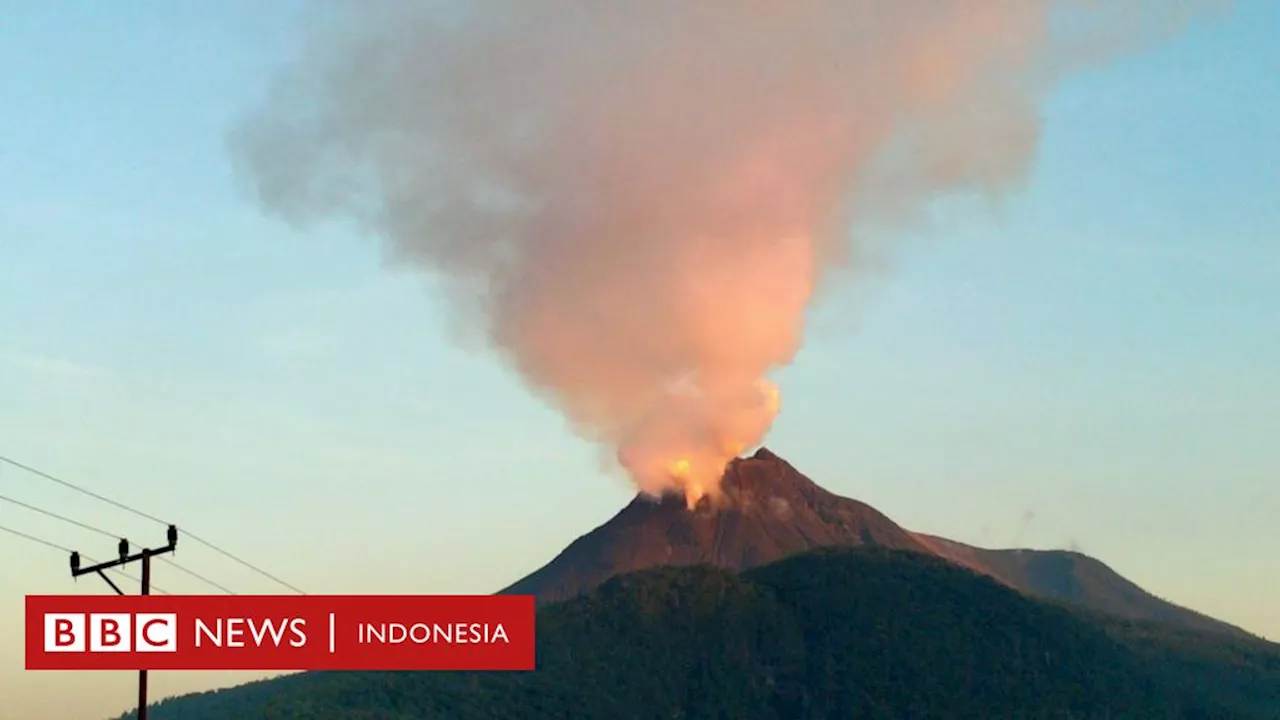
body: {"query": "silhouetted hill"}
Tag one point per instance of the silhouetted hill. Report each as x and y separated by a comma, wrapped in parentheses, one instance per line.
(772, 511)
(1077, 579)
(865, 633)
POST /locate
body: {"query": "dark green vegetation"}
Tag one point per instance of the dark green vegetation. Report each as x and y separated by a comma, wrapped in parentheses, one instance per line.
(854, 633)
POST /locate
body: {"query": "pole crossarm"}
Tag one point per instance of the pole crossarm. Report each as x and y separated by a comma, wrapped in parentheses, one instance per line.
(125, 558)
(148, 552)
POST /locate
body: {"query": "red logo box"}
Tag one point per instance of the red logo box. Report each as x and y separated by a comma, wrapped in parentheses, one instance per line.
(278, 632)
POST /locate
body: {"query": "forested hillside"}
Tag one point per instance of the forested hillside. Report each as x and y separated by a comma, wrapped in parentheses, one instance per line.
(835, 633)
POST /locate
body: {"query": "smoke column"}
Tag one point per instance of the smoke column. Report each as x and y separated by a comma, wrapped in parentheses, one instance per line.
(635, 202)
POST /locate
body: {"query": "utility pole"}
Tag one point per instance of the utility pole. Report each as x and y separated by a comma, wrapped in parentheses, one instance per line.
(124, 559)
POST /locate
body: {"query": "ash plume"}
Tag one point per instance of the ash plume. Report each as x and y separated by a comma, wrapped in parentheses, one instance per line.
(634, 203)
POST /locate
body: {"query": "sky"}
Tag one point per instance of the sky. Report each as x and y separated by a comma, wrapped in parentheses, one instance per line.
(1093, 363)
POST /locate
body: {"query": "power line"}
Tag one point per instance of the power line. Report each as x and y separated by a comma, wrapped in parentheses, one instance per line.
(81, 490)
(197, 576)
(148, 516)
(260, 571)
(35, 539)
(56, 546)
(56, 516)
(113, 536)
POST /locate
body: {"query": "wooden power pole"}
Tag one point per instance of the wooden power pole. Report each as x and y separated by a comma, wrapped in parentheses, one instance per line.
(124, 559)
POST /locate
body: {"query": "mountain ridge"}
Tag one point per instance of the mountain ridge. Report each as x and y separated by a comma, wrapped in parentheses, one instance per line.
(768, 510)
(1075, 578)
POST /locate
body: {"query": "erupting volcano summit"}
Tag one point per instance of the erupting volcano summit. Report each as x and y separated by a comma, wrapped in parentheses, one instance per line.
(767, 510)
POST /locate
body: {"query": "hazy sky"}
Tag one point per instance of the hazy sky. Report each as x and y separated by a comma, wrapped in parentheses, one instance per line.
(1095, 362)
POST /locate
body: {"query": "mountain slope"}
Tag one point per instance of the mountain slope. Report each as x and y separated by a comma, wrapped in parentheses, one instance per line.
(772, 511)
(1077, 579)
(834, 633)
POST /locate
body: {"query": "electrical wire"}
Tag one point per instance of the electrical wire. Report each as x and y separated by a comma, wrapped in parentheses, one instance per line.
(56, 516)
(35, 539)
(245, 563)
(197, 576)
(81, 490)
(105, 533)
(148, 516)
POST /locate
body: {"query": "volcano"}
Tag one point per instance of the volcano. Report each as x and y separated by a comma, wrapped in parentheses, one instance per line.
(820, 607)
(769, 511)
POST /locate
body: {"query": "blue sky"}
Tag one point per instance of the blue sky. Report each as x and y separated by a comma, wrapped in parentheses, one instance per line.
(1095, 363)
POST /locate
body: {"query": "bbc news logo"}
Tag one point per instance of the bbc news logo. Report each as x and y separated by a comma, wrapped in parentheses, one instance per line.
(280, 633)
(110, 632)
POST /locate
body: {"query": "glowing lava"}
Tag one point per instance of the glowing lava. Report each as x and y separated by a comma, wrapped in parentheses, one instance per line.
(685, 449)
